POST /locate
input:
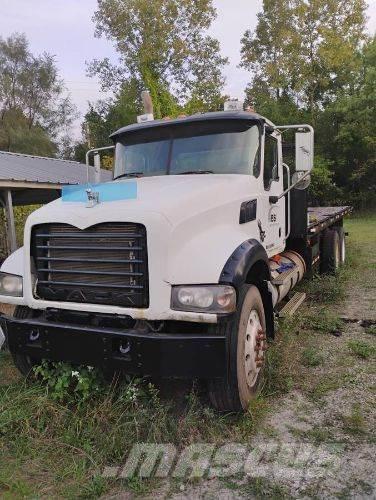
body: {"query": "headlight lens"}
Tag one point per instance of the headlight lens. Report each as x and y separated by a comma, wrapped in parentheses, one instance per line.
(212, 299)
(11, 284)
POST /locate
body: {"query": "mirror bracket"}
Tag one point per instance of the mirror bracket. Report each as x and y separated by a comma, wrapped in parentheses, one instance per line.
(273, 199)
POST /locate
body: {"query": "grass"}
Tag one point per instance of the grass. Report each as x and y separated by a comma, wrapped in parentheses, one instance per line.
(354, 423)
(260, 487)
(57, 447)
(371, 329)
(311, 356)
(361, 349)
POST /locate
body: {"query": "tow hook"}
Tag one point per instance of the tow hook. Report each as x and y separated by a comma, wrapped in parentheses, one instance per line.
(125, 347)
(34, 335)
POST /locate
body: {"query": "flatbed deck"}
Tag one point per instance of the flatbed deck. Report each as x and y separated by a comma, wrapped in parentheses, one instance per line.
(319, 218)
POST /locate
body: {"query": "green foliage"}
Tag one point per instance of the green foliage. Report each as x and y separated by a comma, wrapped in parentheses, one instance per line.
(362, 349)
(65, 382)
(322, 189)
(325, 322)
(164, 47)
(307, 50)
(312, 357)
(310, 64)
(33, 110)
(371, 329)
(355, 422)
(348, 130)
(325, 289)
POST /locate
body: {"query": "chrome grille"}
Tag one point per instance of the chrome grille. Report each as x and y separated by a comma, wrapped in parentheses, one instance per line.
(103, 264)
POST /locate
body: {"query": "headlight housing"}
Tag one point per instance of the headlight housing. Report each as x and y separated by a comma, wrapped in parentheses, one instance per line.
(11, 284)
(216, 299)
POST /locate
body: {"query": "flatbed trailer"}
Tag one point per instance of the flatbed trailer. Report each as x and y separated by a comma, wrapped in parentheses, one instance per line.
(319, 218)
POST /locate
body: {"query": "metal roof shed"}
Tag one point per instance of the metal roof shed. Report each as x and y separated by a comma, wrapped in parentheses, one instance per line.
(28, 180)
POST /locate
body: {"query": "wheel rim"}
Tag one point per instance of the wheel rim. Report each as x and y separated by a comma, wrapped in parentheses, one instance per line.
(254, 348)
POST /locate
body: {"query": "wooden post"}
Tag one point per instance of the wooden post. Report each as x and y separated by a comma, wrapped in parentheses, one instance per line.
(11, 228)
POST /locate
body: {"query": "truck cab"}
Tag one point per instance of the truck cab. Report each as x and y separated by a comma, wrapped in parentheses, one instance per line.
(173, 269)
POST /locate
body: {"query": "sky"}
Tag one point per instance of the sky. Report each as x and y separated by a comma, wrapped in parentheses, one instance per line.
(65, 29)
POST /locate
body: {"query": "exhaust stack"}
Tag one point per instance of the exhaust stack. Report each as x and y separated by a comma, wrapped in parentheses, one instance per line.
(148, 108)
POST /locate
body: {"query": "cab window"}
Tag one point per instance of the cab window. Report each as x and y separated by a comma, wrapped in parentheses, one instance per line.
(270, 161)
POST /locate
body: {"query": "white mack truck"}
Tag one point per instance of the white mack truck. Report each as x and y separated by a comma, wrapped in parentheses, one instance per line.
(180, 265)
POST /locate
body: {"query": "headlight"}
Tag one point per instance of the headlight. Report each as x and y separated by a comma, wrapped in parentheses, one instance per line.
(11, 284)
(212, 299)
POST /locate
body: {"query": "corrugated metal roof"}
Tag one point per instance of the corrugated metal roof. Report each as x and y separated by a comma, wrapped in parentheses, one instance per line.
(37, 169)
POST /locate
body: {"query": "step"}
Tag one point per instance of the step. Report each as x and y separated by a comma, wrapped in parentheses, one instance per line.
(282, 278)
(292, 305)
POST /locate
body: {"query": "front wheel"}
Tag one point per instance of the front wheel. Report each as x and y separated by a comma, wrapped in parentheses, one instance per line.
(246, 337)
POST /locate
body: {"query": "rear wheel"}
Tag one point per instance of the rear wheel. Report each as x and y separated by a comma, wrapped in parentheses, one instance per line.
(246, 337)
(25, 364)
(330, 252)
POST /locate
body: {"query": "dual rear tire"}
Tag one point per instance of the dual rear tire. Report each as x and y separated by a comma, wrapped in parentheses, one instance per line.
(333, 251)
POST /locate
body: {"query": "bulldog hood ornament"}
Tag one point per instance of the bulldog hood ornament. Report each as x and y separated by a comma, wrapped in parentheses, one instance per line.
(92, 198)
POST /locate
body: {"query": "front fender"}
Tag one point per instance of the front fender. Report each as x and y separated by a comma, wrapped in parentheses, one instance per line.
(237, 267)
(249, 263)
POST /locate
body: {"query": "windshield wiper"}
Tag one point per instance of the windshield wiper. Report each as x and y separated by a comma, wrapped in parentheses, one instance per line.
(196, 172)
(129, 174)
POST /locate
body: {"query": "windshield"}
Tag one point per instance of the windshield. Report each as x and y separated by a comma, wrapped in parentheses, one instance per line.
(211, 147)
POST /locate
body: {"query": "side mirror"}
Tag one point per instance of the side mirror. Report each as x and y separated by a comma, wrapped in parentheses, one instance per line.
(304, 151)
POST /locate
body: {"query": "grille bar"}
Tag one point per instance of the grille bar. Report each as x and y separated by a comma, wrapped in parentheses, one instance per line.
(88, 284)
(67, 247)
(73, 271)
(92, 235)
(69, 271)
(108, 261)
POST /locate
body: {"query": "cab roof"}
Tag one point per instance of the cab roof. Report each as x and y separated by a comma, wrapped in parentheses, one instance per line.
(198, 117)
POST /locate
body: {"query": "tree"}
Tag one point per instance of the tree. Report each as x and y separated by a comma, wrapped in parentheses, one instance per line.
(162, 46)
(34, 113)
(348, 132)
(306, 49)
(311, 63)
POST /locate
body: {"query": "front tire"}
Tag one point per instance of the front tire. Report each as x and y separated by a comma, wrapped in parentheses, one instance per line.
(24, 364)
(246, 337)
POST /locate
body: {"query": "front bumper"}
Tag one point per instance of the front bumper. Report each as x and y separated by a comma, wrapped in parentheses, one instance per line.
(132, 351)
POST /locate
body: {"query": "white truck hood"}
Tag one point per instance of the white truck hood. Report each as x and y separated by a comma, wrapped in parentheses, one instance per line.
(192, 215)
(175, 197)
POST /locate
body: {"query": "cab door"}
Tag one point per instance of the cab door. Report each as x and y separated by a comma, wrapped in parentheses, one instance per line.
(273, 215)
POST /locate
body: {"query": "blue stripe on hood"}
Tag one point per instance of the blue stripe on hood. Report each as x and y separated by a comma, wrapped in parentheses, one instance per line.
(110, 191)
